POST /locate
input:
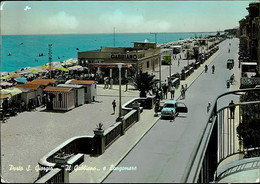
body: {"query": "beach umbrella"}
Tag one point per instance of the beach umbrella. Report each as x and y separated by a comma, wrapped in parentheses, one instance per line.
(33, 70)
(44, 66)
(63, 69)
(5, 84)
(4, 77)
(11, 91)
(14, 75)
(21, 80)
(77, 67)
(50, 68)
(70, 62)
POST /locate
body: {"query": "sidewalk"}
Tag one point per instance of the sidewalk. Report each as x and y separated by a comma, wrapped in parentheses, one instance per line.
(95, 169)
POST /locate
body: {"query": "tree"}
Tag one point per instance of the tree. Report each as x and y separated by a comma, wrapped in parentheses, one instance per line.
(143, 82)
(249, 129)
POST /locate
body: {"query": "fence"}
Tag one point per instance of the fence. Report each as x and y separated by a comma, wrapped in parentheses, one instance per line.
(52, 172)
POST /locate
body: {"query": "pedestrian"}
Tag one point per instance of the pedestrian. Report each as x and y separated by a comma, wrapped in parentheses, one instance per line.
(213, 69)
(206, 68)
(180, 56)
(172, 92)
(114, 106)
(178, 62)
(111, 83)
(105, 82)
(182, 92)
(165, 90)
(126, 83)
(232, 109)
(156, 107)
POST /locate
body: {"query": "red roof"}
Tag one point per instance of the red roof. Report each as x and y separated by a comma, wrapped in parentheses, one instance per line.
(28, 86)
(44, 82)
(57, 89)
(83, 82)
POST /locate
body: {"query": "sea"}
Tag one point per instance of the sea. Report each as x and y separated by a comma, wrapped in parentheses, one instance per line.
(19, 51)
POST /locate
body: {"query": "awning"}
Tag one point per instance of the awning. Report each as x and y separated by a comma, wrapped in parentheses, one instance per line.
(11, 91)
(249, 63)
(108, 65)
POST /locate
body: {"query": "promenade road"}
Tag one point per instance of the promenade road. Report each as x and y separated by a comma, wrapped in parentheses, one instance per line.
(165, 152)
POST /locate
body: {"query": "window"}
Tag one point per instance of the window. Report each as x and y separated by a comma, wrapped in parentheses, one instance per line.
(147, 64)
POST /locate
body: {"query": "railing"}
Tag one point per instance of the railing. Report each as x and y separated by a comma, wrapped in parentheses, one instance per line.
(54, 176)
(218, 143)
(91, 144)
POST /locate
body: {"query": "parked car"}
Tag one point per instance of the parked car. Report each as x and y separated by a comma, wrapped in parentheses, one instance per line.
(171, 109)
(230, 64)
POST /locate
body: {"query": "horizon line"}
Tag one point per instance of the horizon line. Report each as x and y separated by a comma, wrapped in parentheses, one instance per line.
(109, 33)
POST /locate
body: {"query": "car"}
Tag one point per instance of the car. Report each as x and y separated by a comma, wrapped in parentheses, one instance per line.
(230, 64)
(171, 109)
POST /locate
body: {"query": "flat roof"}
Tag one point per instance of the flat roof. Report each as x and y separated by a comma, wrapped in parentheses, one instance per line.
(82, 82)
(57, 89)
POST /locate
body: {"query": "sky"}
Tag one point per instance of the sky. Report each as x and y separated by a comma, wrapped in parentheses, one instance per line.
(87, 17)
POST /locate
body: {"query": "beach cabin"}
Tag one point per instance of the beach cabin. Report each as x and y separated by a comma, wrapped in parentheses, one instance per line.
(78, 93)
(59, 98)
(13, 93)
(31, 92)
(90, 89)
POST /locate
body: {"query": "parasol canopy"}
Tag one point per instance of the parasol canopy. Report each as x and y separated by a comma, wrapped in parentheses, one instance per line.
(70, 62)
(5, 84)
(21, 80)
(76, 67)
(11, 91)
(14, 75)
(4, 77)
(63, 69)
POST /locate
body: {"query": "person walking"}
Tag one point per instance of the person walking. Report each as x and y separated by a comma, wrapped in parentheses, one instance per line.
(114, 106)
(206, 68)
(213, 69)
(172, 92)
(178, 62)
(182, 92)
(232, 109)
(165, 90)
(111, 83)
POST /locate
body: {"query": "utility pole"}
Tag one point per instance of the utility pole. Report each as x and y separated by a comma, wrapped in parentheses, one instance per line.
(160, 62)
(50, 57)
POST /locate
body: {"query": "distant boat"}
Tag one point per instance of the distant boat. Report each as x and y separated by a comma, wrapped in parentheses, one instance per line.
(21, 44)
(9, 54)
(77, 48)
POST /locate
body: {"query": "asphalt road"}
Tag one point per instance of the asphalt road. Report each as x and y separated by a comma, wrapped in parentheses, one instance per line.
(164, 153)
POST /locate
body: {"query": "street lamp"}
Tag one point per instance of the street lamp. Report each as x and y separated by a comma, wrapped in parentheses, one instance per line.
(120, 106)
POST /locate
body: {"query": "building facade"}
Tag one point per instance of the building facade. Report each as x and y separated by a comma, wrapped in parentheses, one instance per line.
(143, 56)
(249, 46)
